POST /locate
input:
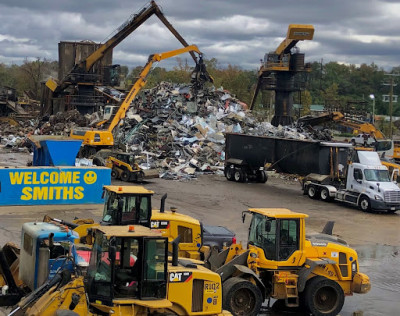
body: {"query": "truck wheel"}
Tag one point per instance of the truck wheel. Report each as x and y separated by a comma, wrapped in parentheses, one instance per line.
(229, 173)
(323, 297)
(125, 176)
(241, 297)
(114, 174)
(238, 175)
(364, 204)
(312, 192)
(325, 195)
(262, 176)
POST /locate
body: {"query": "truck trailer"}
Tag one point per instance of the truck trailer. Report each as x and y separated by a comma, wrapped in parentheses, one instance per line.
(331, 171)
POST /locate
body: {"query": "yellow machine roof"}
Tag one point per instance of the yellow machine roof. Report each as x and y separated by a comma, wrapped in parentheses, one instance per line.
(123, 231)
(128, 189)
(175, 216)
(278, 212)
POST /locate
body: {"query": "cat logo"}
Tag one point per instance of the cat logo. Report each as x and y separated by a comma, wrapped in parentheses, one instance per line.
(180, 277)
(159, 224)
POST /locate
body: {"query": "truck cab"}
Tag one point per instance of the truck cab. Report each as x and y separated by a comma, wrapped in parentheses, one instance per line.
(364, 182)
(45, 248)
(370, 178)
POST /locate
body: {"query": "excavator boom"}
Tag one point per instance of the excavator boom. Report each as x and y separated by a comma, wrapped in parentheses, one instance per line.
(127, 28)
(104, 138)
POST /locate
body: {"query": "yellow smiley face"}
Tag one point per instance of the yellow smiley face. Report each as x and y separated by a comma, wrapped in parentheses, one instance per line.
(90, 177)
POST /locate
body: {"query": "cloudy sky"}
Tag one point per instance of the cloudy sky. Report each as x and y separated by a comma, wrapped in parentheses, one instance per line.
(235, 32)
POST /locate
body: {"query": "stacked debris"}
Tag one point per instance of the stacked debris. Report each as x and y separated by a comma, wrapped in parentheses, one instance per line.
(183, 135)
(62, 123)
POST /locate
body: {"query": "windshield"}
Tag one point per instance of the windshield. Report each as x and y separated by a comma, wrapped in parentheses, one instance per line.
(376, 175)
(100, 268)
(383, 145)
(123, 209)
(263, 234)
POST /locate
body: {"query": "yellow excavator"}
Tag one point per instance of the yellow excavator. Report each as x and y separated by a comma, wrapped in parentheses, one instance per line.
(94, 140)
(129, 274)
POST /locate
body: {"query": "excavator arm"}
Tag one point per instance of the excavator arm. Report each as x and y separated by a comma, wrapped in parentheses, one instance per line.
(123, 31)
(142, 79)
(127, 28)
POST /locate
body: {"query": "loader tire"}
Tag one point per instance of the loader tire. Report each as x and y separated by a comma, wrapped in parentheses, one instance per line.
(140, 177)
(114, 174)
(323, 297)
(125, 176)
(364, 204)
(312, 192)
(241, 297)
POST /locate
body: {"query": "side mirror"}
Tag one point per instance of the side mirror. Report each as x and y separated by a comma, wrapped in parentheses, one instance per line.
(112, 253)
(359, 181)
(267, 226)
(243, 217)
(103, 194)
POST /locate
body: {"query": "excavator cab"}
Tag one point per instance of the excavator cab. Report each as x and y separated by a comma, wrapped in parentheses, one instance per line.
(128, 263)
(127, 205)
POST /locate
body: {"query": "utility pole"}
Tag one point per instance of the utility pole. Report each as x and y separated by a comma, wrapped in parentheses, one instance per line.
(391, 84)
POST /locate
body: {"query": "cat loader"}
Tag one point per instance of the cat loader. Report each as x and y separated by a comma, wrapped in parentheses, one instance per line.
(129, 274)
(282, 262)
(126, 205)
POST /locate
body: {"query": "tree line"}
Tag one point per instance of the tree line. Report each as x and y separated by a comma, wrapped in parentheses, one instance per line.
(330, 84)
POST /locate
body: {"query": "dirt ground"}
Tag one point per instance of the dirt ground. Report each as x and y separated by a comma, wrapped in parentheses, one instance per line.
(215, 201)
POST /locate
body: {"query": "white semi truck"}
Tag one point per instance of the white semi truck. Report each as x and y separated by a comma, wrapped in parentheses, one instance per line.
(364, 182)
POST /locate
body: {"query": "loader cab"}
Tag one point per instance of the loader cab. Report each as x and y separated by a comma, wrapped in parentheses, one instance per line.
(278, 236)
(127, 262)
(125, 205)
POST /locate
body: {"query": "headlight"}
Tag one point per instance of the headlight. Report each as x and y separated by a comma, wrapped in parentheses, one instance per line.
(354, 266)
(378, 198)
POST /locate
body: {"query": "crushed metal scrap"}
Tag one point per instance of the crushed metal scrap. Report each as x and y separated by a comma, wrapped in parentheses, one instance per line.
(180, 134)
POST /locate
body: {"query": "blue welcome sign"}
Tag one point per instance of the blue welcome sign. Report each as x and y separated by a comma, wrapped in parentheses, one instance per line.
(53, 185)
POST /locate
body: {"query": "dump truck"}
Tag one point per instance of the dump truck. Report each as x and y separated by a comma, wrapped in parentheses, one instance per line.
(129, 274)
(247, 155)
(364, 182)
(282, 262)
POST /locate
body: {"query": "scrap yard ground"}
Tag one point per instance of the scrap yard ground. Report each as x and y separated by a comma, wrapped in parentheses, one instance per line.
(216, 201)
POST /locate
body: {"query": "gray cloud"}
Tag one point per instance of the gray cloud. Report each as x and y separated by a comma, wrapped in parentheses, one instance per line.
(235, 32)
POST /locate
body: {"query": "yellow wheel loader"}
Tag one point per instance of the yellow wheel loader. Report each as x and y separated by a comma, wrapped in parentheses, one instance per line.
(125, 205)
(282, 262)
(129, 274)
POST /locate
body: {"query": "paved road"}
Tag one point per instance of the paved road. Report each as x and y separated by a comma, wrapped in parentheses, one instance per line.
(215, 201)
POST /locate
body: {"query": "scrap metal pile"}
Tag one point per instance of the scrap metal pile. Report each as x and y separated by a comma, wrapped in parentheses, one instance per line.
(183, 134)
(179, 133)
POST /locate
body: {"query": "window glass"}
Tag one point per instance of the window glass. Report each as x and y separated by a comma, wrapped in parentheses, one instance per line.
(263, 234)
(127, 268)
(376, 175)
(288, 238)
(154, 273)
(185, 233)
